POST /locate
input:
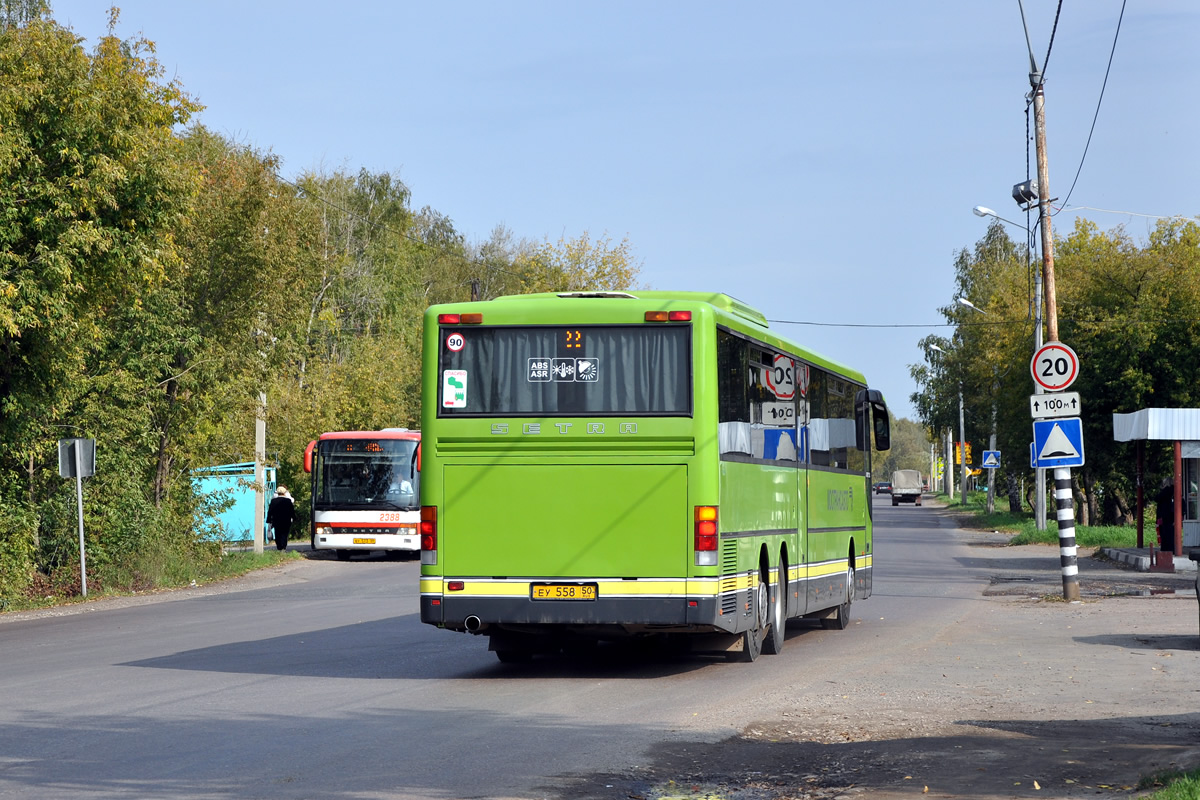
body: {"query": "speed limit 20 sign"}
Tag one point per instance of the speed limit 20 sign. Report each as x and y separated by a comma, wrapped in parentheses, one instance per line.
(1054, 366)
(781, 377)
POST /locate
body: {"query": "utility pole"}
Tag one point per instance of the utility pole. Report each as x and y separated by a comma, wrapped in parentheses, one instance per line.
(1064, 500)
(932, 468)
(991, 490)
(948, 470)
(1043, 170)
(1039, 502)
(962, 446)
(260, 456)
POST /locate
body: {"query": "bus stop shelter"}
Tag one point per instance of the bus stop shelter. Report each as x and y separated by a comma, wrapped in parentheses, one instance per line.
(1181, 426)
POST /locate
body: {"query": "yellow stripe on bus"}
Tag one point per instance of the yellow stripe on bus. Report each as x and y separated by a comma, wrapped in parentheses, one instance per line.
(643, 587)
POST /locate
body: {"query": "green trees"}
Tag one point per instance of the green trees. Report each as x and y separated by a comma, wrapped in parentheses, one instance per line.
(90, 184)
(155, 278)
(1130, 311)
(910, 450)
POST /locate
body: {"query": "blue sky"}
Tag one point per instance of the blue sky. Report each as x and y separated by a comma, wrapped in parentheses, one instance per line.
(816, 160)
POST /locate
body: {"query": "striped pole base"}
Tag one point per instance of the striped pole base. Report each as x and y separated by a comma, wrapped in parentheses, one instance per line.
(1068, 553)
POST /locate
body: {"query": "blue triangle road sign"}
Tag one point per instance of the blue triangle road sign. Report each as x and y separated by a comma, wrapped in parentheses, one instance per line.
(1058, 442)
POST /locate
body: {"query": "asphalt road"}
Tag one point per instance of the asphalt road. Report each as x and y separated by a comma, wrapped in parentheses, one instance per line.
(317, 680)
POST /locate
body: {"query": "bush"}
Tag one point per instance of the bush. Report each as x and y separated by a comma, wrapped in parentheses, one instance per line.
(18, 534)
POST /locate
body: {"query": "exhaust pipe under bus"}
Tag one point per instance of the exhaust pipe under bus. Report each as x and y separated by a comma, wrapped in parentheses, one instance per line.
(473, 624)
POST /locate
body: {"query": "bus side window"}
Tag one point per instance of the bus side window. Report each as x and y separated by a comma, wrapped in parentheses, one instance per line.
(818, 423)
(733, 406)
(774, 411)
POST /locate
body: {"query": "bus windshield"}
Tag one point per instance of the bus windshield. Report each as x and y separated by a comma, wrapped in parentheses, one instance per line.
(566, 370)
(366, 473)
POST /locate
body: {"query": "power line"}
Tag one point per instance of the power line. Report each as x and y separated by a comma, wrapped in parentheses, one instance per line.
(1126, 213)
(1049, 47)
(1100, 100)
(1110, 322)
(892, 325)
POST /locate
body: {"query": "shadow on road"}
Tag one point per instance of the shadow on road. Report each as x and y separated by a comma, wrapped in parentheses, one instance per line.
(400, 648)
(967, 759)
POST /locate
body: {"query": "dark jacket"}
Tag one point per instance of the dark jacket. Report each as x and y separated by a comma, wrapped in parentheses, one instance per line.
(281, 512)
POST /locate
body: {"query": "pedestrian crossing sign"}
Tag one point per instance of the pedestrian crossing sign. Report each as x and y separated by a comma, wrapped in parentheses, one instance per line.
(991, 459)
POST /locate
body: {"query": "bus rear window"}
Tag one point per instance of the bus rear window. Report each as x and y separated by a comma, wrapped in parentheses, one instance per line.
(565, 370)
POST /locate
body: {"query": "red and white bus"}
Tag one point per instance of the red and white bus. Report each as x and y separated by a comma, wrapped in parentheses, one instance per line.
(365, 491)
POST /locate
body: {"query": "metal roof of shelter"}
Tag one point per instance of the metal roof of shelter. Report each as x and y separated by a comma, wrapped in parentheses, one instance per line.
(1169, 424)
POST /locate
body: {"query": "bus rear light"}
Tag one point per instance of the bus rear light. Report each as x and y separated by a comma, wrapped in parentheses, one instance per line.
(706, 536)
(460, 319)
(428, 529)
(455, 586)
(668, 316)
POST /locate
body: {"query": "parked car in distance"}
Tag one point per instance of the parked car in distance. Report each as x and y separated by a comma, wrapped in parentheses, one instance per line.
(883, 487)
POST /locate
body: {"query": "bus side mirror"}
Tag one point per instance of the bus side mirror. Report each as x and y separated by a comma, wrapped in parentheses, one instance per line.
(883, 428)
(871, 416)
(308, 451)
(418, 457)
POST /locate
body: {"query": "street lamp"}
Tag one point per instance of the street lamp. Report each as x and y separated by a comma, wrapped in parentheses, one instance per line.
(984, 211)
(962, 437)
(1039, 505)
(962, 301)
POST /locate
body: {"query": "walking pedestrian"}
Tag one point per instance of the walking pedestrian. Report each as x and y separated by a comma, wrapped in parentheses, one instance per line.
(280, 515)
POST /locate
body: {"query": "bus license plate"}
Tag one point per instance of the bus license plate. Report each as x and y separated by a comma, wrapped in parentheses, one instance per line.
(364, 541)
(564, 591)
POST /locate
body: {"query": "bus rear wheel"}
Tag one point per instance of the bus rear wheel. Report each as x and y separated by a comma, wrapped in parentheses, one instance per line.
(752, 638)
(773, 644)
(840, 618)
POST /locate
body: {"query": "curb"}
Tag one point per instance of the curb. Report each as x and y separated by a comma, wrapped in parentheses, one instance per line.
(1140, 560)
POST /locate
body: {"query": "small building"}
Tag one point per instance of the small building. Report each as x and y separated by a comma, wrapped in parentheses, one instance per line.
(1182, 427)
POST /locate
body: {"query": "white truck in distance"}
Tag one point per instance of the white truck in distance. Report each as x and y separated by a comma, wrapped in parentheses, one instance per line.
(906, 486)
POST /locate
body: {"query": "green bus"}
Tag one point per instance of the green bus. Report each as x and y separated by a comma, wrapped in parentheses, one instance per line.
(603, 465)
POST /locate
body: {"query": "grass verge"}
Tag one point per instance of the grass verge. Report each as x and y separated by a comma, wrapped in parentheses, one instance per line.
(1023, 526)
(153, 577)
(1175, 785)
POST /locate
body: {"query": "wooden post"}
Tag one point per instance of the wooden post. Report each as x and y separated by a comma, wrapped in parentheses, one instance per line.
(1178, 550)
(1140, 471)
